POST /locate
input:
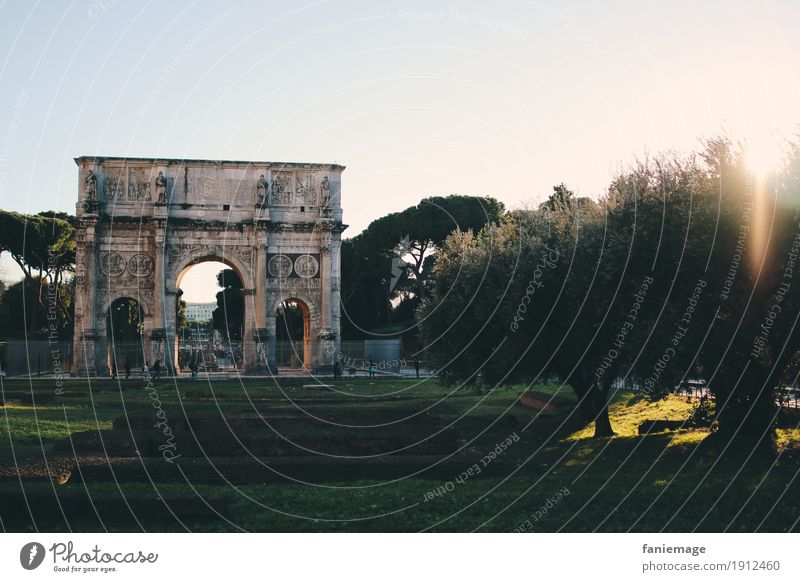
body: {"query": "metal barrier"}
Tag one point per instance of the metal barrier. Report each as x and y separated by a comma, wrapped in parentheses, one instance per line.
(35, 358)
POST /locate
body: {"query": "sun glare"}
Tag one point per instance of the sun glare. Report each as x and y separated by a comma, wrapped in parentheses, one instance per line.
(763, 156)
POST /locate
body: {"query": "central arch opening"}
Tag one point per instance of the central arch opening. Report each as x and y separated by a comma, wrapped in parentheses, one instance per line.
(293, 335)
(210, 316)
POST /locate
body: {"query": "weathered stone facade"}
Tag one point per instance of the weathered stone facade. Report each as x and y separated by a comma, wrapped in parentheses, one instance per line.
(143, 222)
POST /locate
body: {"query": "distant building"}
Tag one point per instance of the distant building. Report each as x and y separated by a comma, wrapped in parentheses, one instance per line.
(200, 312)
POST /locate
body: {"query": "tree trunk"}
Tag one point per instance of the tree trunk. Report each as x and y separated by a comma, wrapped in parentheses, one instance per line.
(33, 322)
(593, 404)
(582, 390)
(602, 424)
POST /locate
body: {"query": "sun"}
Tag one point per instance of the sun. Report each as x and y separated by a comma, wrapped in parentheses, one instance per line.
(763, 155)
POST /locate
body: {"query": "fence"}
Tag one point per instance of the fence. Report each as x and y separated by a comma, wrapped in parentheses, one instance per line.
(41, 357)
(289, 354)
(383, 354)
(127, 356)
(35, 357)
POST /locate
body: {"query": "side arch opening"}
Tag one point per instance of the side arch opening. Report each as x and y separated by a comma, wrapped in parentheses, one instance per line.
(293, 335)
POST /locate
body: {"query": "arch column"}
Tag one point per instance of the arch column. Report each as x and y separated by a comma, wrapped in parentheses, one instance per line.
(272, 342)
(147, 339)
(101, 362)
(336, 299)
(170, 331)
(86, 349)
(161, 347)
(326, 349)
(260, 282)
(309, 355)
(249, 361)
(261, 339)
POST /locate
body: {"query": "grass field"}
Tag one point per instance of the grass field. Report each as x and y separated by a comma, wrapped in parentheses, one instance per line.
(549, 476)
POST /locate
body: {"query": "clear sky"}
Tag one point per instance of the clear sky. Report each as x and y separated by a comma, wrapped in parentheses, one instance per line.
(416, 98)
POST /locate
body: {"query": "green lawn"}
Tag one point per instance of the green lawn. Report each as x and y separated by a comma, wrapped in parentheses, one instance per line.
(629, 482)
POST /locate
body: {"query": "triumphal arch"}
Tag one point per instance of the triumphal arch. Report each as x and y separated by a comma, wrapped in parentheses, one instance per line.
(142, 223)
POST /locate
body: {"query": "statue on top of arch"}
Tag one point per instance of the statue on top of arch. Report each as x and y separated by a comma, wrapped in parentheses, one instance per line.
(90, 193)
(161, 189)
(262, 191)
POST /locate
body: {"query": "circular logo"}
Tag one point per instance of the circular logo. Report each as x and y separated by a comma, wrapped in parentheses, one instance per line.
(112, 264)
(280, 266)
(306, 266)
(140, 265)
(31, 555)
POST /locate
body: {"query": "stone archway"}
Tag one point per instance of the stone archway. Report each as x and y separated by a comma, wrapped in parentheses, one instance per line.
(124, 325)
(293, 335)
(143, 222)
(231, 344)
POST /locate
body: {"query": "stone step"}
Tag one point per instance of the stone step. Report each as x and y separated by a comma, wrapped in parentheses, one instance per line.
(287, 420)
(25, 398)
(300, 395)
(262, 443)
(48, 507)
(245, 471)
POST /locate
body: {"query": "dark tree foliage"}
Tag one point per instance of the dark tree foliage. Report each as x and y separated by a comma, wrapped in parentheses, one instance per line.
(181, 320)
(124, 320)
(685, 268)
(752, 346)
(18, 302)
(43, 246)
(228, 317)
(365, 291)
(393, 258)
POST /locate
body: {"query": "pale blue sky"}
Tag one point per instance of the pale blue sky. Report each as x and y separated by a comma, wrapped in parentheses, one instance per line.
(415, 98)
